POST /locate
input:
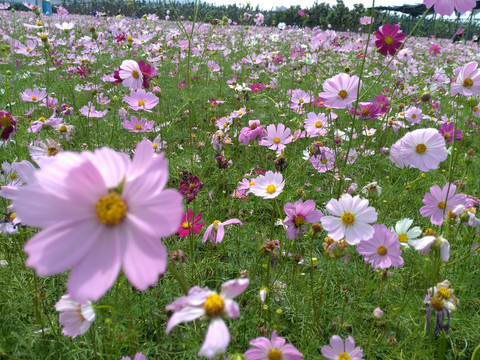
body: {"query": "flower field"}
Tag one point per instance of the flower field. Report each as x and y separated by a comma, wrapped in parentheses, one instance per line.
(174, 189)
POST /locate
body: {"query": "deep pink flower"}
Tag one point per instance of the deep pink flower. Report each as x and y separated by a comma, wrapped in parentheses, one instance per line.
(298, 214)
(205, 302)
(100, 212)
(273, 348)
(437, 204)
(389, 39)
(447, 132)
(8, 125)
(435, 50)
(189, 224)
(382, 250)
(253, 131)
(190, 188)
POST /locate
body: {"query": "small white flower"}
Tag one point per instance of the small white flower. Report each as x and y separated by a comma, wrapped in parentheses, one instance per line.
(406, 236)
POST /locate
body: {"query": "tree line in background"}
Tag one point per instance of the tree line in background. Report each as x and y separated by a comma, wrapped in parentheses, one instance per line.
(322, 15)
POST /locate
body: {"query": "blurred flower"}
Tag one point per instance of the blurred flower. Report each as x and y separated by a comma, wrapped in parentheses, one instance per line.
(339, 351)
(216, 231)
(272, 349)
(75, 317)
(190, 188)
(446, 7)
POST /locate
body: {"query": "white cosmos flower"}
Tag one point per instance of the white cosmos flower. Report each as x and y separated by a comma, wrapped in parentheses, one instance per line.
(407, 236)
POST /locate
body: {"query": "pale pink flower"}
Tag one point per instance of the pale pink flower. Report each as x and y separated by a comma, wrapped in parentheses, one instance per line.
(424, 245)
(205, 302)
(131, 75)
(34, 95)
(316, 125)
(135, 125)
(216, 231)
(446, 7)
(340, 91)
(414, 115)
(141, 100)
(423, 149)
(350, 220)
(100, 212)
(467, 82)
(338, 351)
(277, 137)
(75, 317)
(275, 348)
(268, 186)
(437, 204)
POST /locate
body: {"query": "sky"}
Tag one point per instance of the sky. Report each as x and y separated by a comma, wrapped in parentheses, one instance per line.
(272, 4)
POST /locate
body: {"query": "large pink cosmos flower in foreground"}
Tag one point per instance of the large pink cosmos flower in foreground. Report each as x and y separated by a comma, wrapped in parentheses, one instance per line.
(100, 212)
(423, 149)
(446, 7)
(467, 82)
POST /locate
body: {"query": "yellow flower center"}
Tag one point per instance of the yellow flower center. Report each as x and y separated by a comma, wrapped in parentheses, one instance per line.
(366, 112)
(225, 125)
(28, 49)
(274, 354)
(52, 150)
(343, 94)
(414, 116)
(111, 209)
(301, 101)
(216, 223)
(138, 127)
(41, 119)
(276, 140)
(135, 74)
(214, 305)
(403, 238)
(468, 82)
(348, 218)
(475, 109)
(13, 216)
(318, 124)
(344, 356)
(141, 103)
(388, 40)
(34, 98)
(323, 161)
(251, 183)
(271, 189)
(130, 38)
(420, 148)
(381, 250)
(299, 220)
(13, 176)
(441, 205)
(155, 146)
(186, 225)
(62, 128)
(5, 121)
(437, 304)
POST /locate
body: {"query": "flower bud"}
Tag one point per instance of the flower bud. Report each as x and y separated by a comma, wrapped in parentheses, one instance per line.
(378, 313)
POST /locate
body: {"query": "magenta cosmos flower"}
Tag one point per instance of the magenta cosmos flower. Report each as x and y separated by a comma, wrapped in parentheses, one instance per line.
(298, 214)
(273, 349)
(100, 212)
(268, 186)
(216, 231)
(423, 149)
(8, 125)
(340, 91)
(189, 224)
(277, 137)
(467, 82)
(446, 7)
(437, 204)
(141, 100)
(338, 351)
(447, 132)
(205, 302)
(382, 250)
(351, 218)
(75, 317)
(389, 39)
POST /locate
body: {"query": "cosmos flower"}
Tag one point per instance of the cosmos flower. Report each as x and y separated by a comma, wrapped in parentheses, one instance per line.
(447, 132)
(141, 100)
(130, 74)
(189, 224)
(441, 300)
(298, 214)
(406, 236)
(316, 125)
(350, 220)
(414, 115)
(389, 39)
(323, 160)
(135, 125)
(423, 149)
(382, 250)
(467, 82)
(205, 302)
(424, 245)
(34, 95)
(446, 7)
(216, 231)
(277, 137)
(110, 209)
(437, 204)
(8, 126)
(366, 20)
(339, 351)
(268, 186)
(76, 317)
(340, 91)
(190, 188)
(274, 348)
